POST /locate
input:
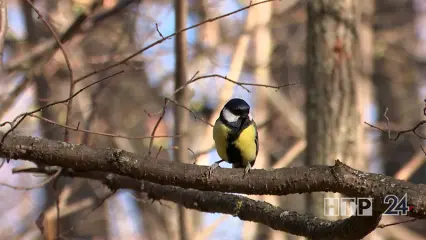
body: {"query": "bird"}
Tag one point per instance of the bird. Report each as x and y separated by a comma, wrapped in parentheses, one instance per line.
(235, 136)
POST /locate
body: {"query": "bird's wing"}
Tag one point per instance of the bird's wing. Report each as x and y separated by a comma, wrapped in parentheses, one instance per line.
(256, 140)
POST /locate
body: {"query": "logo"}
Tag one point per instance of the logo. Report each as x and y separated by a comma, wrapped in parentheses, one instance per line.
(364, 206)
(396, 206)
(348, 207)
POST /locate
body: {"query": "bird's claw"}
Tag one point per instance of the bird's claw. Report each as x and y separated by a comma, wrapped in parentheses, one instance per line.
(213, 167)
(247, 169)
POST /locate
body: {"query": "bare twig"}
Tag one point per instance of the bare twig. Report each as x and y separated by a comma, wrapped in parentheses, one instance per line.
(97, 133)
(69, 103)
(158, 152)
(151, 142)
(189, 110)
(167, 37)
(396, 223)
(74, 28)
(39, 185)
(67, 61)
(387, 122)
(413, 130)
(241, 84)
(158, 30)
(22, 116)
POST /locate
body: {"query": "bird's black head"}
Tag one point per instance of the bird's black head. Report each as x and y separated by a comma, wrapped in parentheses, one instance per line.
(236, 113)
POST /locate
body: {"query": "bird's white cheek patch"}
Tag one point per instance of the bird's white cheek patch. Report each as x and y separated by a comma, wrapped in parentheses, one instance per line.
(250, 117)
(230, 117)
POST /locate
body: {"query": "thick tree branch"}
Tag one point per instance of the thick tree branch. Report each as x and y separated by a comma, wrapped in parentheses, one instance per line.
(242, 207)
(338, 178)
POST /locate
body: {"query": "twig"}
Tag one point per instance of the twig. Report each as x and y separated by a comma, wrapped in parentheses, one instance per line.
(98, 133)
(189, 110)
(22, 116)
(69, 103)
(241, 84)
(67, 61)
(167, 37)
(158, 152)
(39, 185)
(51, 44)
(158, 30)
(396, 223)
(151, 142)
(387, 122)
(3, 30)
(413, 130)
(193, 154)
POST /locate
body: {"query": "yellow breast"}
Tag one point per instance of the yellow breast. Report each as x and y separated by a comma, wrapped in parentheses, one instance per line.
(247, 145)
(220, 133)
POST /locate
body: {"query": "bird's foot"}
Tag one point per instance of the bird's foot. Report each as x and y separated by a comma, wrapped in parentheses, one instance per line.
(213, 167)
(247, 169)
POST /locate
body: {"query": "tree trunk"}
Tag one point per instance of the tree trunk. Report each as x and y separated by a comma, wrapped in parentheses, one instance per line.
(333, 117)
(181, 114)
(395, 81)
(397, 86)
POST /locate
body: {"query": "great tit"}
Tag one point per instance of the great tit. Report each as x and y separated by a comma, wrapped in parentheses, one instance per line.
(235, 136)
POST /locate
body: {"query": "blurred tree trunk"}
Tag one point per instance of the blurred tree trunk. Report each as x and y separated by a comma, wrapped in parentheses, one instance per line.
(181, 114)
(397, 85)
(262, 43)
(61, 16)
(365, 65)
(396, 82)
(42, 95)
(333, 117)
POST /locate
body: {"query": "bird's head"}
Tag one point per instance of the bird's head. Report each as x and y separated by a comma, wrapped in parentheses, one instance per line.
(236, 113)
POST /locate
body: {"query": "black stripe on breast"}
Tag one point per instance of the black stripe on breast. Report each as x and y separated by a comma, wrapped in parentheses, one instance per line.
(234, 155)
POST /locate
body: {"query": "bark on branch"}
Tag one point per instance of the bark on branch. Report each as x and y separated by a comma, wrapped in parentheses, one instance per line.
(338, 178)
(238, 206)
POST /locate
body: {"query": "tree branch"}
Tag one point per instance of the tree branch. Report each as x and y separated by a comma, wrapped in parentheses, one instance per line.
(242, 207)
(338, 178)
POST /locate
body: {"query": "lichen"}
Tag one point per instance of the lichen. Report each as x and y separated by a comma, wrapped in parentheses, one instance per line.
(238, 206)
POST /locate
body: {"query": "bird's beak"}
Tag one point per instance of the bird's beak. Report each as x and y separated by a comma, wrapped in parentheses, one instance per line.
(243, 121)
